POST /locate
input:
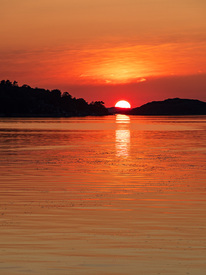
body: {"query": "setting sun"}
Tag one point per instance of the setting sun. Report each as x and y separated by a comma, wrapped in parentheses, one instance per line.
(123, 104)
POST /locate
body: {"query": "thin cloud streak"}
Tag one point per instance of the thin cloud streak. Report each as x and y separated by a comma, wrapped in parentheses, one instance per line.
(125, 64)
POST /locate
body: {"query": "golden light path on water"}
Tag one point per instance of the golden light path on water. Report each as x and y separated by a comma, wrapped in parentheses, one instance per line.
(122, 135)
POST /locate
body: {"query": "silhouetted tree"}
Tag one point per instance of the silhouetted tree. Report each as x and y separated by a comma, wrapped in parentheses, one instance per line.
(8, 83)
(26, 86)
(27, 101)
(66, 95)
(97, 107)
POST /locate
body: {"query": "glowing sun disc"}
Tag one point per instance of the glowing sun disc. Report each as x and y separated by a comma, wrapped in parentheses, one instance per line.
(123, 104)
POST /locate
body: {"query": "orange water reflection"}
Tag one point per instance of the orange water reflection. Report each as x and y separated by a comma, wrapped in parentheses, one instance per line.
(122, 135)
(114, 195)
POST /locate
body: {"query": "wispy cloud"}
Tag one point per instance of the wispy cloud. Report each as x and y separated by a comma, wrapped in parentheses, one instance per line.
(90, 65)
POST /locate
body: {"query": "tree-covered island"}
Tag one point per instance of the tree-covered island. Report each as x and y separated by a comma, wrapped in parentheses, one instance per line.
(24, 101)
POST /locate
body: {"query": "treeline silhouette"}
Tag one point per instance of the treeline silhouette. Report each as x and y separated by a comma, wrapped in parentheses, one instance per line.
(26, 101)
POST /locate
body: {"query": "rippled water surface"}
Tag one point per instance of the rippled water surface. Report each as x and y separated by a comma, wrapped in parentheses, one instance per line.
(103, 195)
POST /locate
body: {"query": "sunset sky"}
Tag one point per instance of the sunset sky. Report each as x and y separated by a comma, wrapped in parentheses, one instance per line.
(137, 50)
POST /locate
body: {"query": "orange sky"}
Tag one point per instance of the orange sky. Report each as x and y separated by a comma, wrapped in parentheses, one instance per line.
(139, 50)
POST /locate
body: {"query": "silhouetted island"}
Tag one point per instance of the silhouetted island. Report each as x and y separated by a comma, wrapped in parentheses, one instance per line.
(171, 106)
(24, 101)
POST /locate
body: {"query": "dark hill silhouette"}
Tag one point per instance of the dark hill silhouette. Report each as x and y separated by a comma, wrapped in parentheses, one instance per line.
(25, 101)
(174, 106)
(117, 110)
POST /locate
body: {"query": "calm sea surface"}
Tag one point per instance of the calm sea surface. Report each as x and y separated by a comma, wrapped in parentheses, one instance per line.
(103, 195)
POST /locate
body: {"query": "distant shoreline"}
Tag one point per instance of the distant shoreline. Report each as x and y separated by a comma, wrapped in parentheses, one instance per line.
(24, 101)
(167, 107)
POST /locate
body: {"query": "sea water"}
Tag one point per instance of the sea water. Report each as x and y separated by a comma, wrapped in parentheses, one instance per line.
(103, 195)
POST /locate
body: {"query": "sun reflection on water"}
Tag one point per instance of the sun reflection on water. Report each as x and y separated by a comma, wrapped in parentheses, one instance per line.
(122, 135)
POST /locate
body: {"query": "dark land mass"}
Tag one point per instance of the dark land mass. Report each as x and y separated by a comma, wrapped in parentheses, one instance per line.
(24, 101)
(173, 106)
(117, 110)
